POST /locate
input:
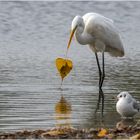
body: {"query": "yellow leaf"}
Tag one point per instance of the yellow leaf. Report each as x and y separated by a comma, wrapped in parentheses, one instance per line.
(102, 133)
(64, 66)
(55, 132)
(137, 136)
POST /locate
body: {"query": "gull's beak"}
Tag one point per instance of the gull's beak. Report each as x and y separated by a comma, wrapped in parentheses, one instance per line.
(71, 35)
(116, 98)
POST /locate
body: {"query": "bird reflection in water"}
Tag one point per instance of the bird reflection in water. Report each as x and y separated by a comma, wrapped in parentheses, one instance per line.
(63, 113)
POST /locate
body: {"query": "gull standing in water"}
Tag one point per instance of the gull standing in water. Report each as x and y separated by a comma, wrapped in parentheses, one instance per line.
(127, 106)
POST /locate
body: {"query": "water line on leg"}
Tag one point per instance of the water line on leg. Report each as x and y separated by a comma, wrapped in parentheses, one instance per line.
(100, 80)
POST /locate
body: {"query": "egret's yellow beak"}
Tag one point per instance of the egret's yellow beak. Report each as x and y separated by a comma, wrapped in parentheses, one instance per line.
(71, 35)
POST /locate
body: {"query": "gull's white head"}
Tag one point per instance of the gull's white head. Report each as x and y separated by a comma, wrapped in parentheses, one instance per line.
(124, 95)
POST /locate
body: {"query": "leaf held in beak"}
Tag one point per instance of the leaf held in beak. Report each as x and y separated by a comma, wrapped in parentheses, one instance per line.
(64, 66)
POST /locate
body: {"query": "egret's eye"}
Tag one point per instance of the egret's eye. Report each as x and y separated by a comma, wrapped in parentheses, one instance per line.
(124, 95)
(120, 95)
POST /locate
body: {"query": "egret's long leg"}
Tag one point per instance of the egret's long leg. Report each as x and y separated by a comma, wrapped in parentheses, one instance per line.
(100, 79)
(103, 70)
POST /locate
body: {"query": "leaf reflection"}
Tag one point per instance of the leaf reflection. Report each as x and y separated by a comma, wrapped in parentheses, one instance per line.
(63, 113)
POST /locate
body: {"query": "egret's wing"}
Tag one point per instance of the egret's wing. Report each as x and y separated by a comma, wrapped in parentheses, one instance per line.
(88, 15)
(103, 29)
(136, 105)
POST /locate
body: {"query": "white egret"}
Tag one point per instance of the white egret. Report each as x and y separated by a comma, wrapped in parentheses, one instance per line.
(127, 106)
(102, 36)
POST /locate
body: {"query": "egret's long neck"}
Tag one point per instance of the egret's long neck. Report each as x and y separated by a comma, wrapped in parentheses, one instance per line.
(81, 36)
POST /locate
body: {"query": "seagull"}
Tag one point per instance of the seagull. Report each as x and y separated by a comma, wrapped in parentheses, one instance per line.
(127, 106)
(101, 35)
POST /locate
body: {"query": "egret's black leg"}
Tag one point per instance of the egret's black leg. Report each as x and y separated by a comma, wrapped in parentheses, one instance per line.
(100, 80)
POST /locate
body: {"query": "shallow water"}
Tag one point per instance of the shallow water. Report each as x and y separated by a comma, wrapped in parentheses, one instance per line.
(33, 35)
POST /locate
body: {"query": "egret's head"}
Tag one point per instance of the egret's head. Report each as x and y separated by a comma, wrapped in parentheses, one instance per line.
(77, 22)
(124, 95)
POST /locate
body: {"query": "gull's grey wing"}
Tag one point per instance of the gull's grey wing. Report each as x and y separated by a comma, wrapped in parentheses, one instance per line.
(136, 105)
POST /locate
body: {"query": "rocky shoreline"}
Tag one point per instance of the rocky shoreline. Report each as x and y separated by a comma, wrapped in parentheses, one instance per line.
(120, 132)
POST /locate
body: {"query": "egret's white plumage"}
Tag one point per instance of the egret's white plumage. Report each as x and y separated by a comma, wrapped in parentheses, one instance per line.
(127, 106)
(102, 36)
(99, 33)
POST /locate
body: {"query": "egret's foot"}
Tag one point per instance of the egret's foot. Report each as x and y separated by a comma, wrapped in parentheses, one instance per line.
(97, 106)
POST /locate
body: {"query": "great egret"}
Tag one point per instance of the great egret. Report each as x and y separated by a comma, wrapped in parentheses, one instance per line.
(102, 36)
